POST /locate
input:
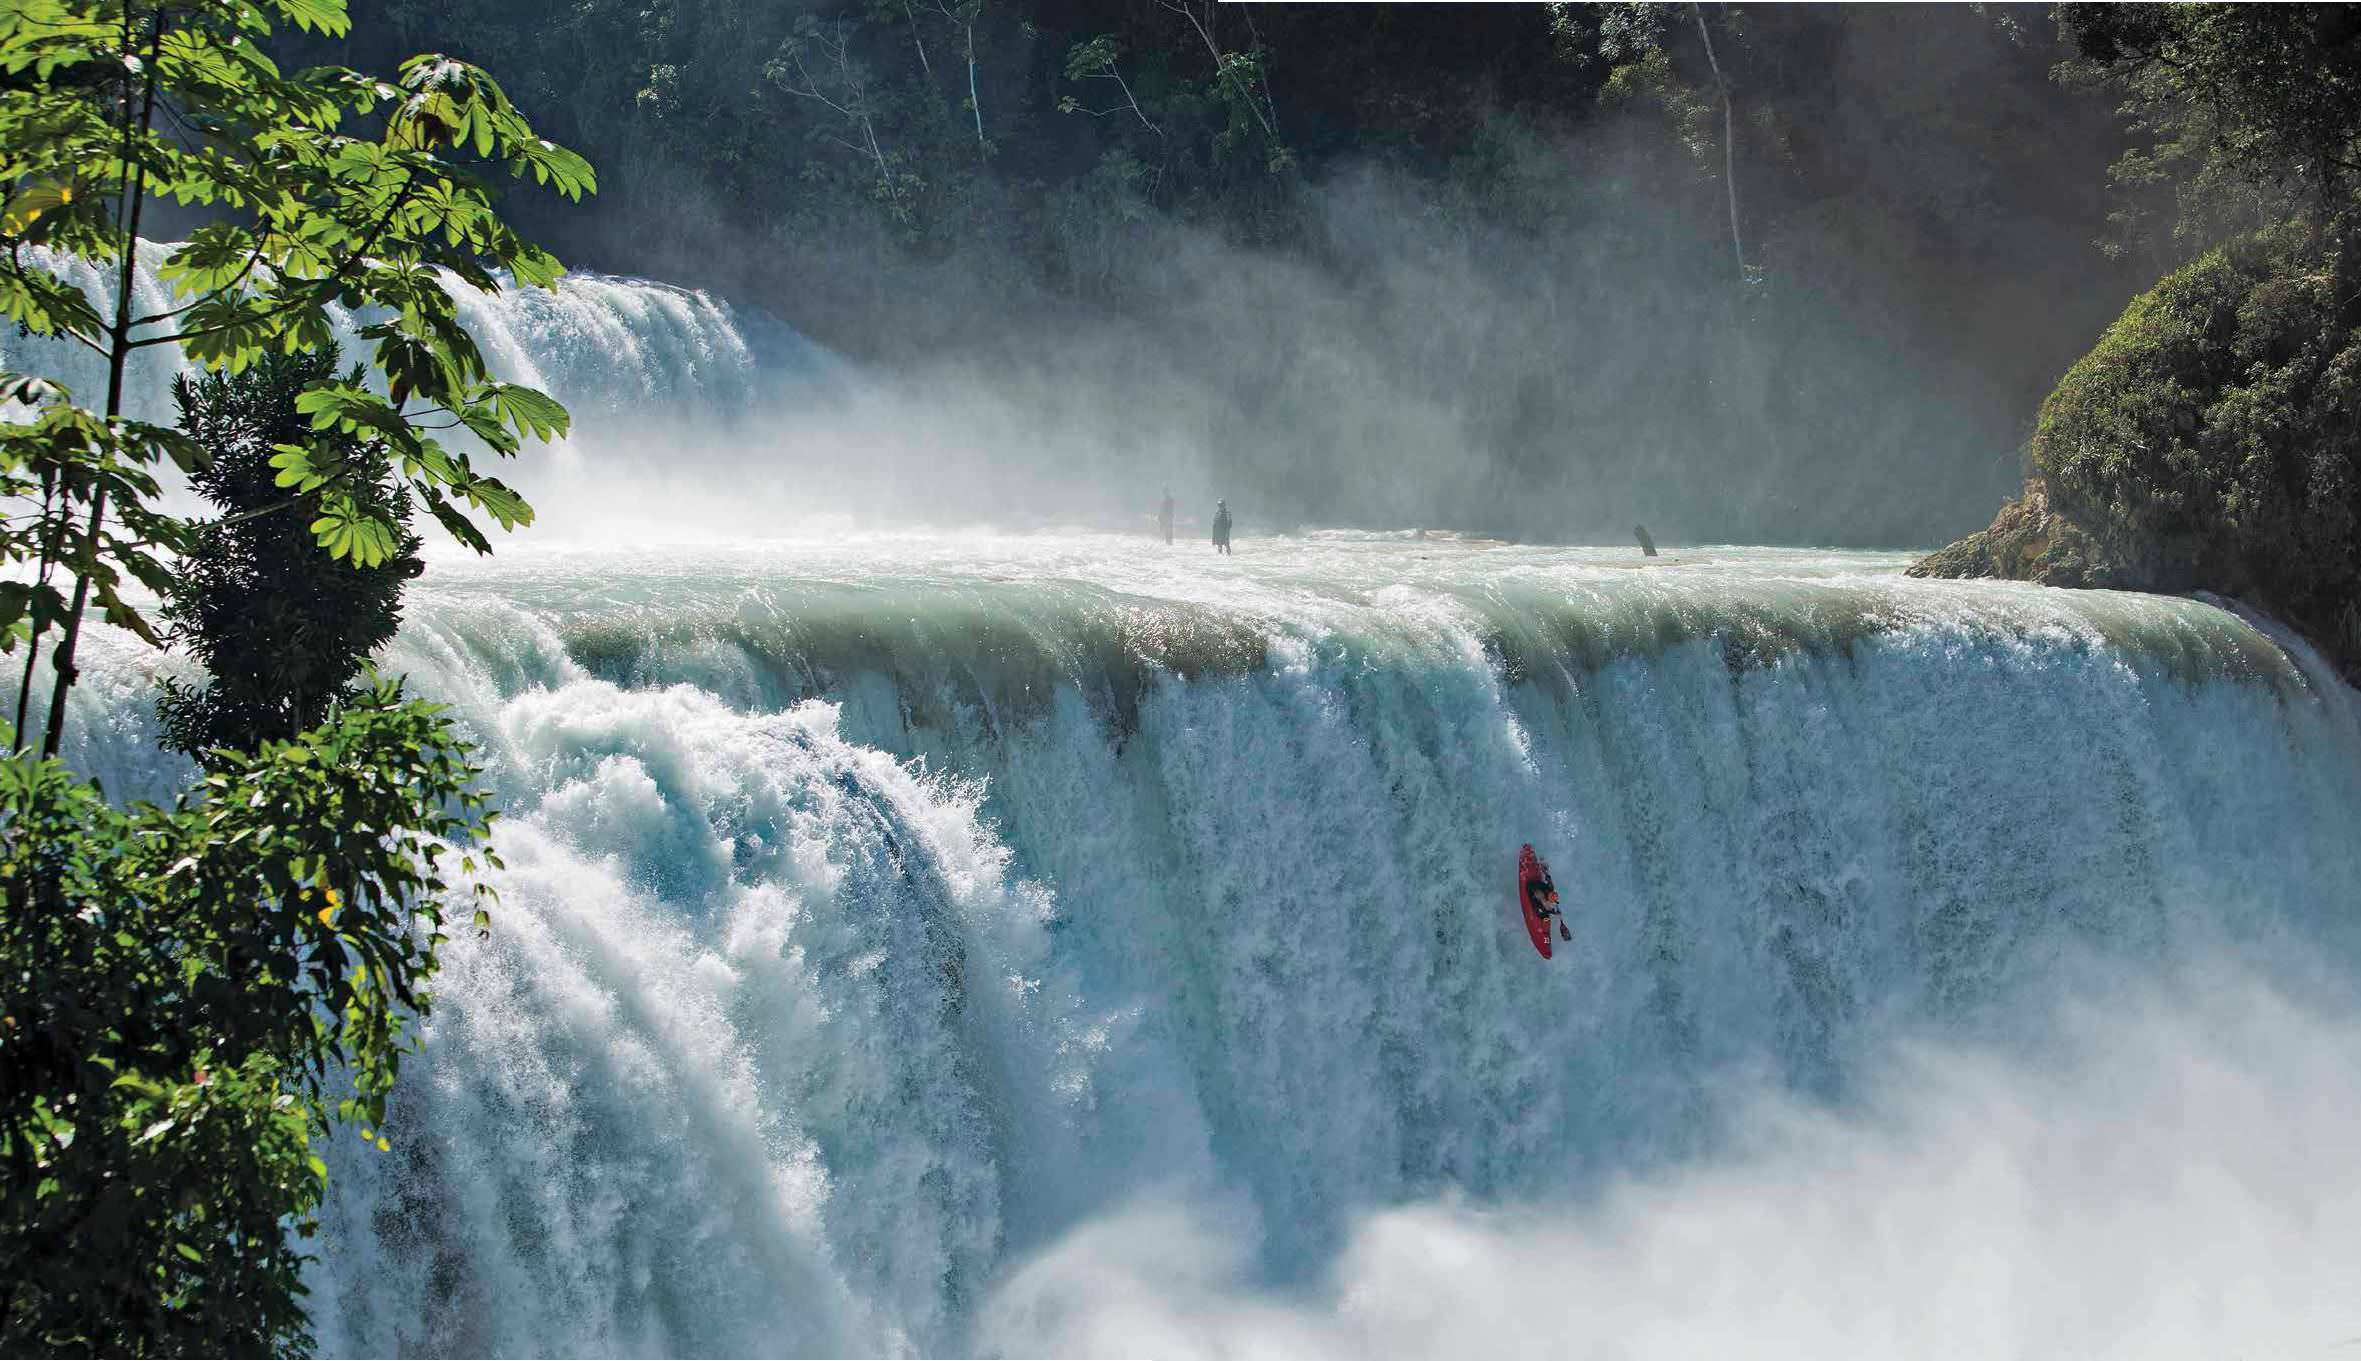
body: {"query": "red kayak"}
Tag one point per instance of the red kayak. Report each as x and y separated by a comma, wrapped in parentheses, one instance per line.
(1530, 867)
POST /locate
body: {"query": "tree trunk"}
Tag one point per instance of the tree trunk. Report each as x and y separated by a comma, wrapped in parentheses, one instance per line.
(1729, 139)
(974, 101)
(119, 350)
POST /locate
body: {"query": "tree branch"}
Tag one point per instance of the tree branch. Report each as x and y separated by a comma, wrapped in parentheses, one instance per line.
(314, 297)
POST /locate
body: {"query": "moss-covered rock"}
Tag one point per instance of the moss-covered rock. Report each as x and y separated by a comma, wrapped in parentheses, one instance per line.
(2211, 441)
(2027, 541)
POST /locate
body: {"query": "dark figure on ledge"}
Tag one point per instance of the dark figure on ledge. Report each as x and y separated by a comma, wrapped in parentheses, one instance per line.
(1221, 526)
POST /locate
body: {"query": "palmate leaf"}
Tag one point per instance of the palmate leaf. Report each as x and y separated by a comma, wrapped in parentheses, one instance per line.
(556, 167)
(353, 410)
(46, 306)
(122, 481)
(533, 266)
(319, 16)
(29, 204)
(532, 413)
(462, 362)
(1087, 59)
(119, 613)
(426, 120)
(145, 439)
(412, 364)
(306, 329)
(349, 532)
(227, 331)
(355, 159)
(485, 423)
(493, 495)
(143, 566)
(454, 521)
(213, 256)
(43, 605)
(66, 430)
(28, 390)
(298, 469)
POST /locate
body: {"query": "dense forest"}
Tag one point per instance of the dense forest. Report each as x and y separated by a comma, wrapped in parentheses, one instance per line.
(1788, 274)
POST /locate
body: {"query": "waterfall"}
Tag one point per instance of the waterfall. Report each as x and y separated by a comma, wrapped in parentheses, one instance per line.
(1060, 942)
(878, 915)
(601, 345)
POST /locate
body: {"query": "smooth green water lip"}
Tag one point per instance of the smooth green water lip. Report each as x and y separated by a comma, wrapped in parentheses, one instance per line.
(1013, 618)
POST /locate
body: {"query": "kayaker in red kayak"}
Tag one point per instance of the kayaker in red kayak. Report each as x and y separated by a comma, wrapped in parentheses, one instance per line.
(1541, 892)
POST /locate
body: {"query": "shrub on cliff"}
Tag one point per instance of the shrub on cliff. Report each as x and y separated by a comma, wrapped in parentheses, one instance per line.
(2212, 439)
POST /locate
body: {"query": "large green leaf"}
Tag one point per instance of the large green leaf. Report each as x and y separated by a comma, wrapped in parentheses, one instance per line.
(454, 521)
(531, 413)
(349, 532)
(300, 469)
(496, 497)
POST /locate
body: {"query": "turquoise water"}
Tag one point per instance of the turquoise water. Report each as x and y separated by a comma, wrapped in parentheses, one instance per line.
(887, 917)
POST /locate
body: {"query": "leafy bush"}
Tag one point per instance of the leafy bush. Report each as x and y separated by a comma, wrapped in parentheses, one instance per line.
(283, 628)
(2211, 440)
(190, 998)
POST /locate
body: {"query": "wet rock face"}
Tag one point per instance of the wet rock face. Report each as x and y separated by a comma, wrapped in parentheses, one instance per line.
(2026, 541)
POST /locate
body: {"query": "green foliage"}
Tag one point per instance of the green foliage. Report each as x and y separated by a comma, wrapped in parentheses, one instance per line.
(192, 997)
(1648, 77)
(322, 216)
(930, 126)
(189, 998)
(107, 104)
(1091, 221)
(2208, 440)
(283, 627)
(56, 464)
(2245, 113)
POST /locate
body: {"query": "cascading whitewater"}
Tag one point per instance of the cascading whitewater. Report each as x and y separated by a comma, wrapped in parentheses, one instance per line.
(601, 345)
(877, 914)
(637, 363)
(1063, 943)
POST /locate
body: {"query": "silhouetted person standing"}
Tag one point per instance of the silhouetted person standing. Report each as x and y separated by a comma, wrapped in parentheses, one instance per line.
(1221, 526)
(1164, 516)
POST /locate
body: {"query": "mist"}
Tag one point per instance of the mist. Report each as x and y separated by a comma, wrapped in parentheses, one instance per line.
(1536, 328)
(1495, 289)
(1553, 381)
(2162, 1179)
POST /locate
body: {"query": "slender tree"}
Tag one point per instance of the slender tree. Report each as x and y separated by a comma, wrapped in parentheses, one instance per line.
(113, 102)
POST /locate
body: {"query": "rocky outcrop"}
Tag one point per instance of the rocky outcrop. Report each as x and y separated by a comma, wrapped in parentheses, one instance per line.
(2210, 441)
(2027, 541)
